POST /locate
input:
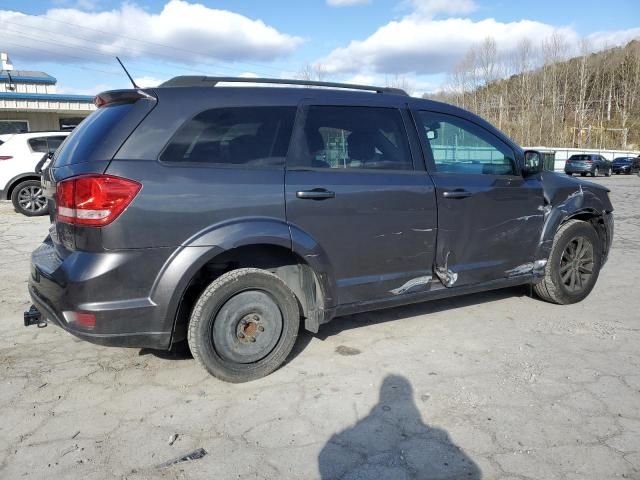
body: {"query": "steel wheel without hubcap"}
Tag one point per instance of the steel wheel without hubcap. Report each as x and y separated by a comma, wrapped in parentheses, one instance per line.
(576, 264)
(247, 327)
(244, 325)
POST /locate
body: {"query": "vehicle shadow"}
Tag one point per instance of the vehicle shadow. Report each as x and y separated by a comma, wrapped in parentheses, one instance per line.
(393, 442)
(348, 322)
(358, 320)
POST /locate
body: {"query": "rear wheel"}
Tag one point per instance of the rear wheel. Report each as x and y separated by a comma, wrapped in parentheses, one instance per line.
(596, 172)
(573, 266)
(569, 173)
(583, 174)
(28, 199)
(244, 325)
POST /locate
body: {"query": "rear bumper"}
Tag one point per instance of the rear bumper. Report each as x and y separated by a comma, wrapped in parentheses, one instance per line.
(113, 286)
(578, 169)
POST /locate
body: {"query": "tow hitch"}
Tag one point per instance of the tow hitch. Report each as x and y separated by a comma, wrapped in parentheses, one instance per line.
(34, 317)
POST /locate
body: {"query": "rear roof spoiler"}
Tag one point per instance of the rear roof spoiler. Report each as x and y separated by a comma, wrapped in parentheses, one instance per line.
(120, 96)
(204, 81)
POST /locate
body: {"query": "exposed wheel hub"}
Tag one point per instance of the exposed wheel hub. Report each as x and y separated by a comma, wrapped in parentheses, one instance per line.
(247, 327)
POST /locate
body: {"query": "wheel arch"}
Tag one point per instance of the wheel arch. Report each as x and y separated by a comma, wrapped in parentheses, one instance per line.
(560, 216)
(13, 183)
(263, 243)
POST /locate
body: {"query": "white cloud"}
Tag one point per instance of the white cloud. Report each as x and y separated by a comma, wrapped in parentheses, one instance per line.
(181, 31)
(420, 44)
(600, 40)
(430, 8)
(147, 82)
(346, 3)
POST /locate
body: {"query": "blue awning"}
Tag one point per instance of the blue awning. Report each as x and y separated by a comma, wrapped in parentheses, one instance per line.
(53, 97)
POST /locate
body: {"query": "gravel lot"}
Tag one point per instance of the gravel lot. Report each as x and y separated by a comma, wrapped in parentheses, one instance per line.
(493, 385)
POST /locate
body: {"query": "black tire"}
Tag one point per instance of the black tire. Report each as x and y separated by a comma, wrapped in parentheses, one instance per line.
(27, 199)
(554, 288)
(608, 172)
(583, 174)
(244, 325)
(595, 172)
(570, 174)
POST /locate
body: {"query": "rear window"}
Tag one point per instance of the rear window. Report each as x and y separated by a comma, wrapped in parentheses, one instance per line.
(91, 131)
(248, 136)
(579, 158)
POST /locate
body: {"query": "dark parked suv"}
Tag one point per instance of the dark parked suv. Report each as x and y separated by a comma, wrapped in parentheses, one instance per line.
(588, 164)
(626, 165)
(230, 217)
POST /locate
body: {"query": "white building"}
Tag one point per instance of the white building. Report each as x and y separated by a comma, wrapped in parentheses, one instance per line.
(29, 102)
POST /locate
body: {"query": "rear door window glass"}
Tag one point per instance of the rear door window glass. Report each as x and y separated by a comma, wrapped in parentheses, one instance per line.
(345, 137)
(247, 136)
(38, 144)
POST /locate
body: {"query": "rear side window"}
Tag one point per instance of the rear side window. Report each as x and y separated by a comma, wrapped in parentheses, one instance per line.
(239, 136)
(345, 137)
(91, 131)
(38, 144)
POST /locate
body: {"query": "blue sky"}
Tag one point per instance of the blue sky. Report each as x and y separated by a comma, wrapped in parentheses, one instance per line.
(366, 41)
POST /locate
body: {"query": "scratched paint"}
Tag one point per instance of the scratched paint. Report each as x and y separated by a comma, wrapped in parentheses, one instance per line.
(419, 281)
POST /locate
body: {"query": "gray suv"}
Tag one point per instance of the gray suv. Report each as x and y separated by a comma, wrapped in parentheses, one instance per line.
(230, 217)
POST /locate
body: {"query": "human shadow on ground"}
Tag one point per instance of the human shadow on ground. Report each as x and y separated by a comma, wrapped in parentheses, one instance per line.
(392, 442)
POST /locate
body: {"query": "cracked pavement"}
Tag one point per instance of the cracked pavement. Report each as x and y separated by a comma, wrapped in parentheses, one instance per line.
(495, 385)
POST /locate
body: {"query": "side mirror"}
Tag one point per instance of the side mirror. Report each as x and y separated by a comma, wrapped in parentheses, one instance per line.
(533, 163)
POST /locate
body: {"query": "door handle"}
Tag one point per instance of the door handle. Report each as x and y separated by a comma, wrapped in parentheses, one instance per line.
(315, 194)
(456, 194)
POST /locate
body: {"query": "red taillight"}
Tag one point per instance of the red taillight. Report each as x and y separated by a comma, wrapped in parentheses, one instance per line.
(81, 319)
(94, 200)
(588, 161)
(5, 157)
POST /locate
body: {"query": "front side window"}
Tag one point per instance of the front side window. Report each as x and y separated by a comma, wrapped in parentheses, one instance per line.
(460, 146)
(344, 137)
(248, 136)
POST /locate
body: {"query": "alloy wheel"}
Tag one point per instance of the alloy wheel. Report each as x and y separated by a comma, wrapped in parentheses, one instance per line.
(31, 199)
(576, 264)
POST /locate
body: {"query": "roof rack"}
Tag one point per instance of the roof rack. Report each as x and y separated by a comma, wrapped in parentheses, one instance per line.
(201, 81)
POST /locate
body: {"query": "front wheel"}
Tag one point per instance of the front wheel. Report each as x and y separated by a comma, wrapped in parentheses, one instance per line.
(608, 172)
(244, 325)
(28, 199)
(573, 266)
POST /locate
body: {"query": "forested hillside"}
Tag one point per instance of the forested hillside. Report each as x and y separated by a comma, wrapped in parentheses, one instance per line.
(540, 97)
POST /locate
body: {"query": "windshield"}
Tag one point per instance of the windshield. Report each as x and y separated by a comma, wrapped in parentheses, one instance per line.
(622, 160)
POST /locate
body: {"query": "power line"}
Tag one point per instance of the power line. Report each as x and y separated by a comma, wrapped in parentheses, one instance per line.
(180, 49)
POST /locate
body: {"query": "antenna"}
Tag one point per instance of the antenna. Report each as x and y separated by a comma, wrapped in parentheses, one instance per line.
(125, 71)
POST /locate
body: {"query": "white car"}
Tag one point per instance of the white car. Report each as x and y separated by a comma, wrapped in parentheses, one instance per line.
(19, 182)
